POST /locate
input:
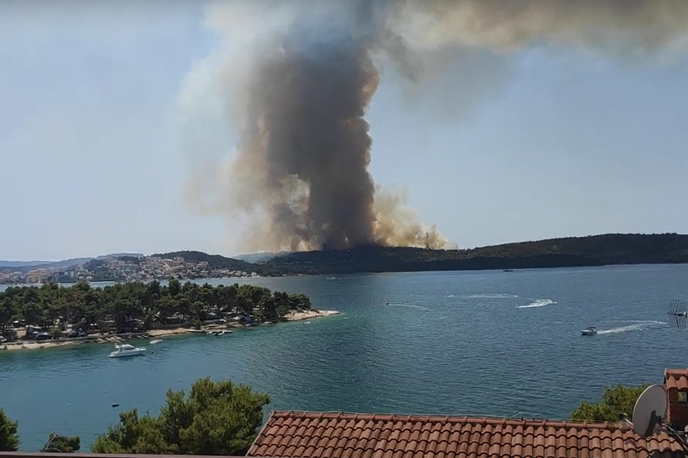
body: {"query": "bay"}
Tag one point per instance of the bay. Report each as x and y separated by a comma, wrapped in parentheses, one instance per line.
(485, 343)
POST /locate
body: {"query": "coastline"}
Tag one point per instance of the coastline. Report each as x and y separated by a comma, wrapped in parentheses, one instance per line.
(153, 333)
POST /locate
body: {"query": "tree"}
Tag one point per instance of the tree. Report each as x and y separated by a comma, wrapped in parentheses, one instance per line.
(9, 439)
(616, 399)
(34, 313)
(215, 418)
(7, 311)
(268, 308)
(174, 287)
(299, 301)
(134, 434)
(62, 444)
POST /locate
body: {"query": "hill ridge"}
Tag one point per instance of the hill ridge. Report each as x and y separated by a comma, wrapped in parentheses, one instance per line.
(592, 250)
(582, 251)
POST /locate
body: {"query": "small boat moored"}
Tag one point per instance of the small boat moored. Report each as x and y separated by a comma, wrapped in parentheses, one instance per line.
(591, 331)
(126, 350)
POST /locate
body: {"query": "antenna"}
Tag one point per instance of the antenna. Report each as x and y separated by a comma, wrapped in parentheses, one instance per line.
(678, 313)
(649, 414)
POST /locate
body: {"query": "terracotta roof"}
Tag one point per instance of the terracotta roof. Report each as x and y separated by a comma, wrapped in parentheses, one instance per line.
(676, 379)
(335, 435)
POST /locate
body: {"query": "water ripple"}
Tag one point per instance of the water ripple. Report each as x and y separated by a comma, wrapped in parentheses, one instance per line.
(448, 343)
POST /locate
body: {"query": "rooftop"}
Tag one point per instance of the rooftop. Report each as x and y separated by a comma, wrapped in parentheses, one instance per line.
(676, 379)
(94, 455)
(345, 435)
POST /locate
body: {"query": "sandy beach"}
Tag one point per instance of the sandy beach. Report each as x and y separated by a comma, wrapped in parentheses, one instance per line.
(298, 316)
(149, 335)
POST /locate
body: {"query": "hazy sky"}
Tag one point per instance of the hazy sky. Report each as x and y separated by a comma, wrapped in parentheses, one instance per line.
(92, 160)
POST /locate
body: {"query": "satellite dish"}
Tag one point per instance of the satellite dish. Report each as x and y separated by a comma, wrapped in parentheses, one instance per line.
(649, 410)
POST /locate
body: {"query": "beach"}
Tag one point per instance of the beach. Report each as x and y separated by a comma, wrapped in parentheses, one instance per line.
(307, 315)
(153, 333)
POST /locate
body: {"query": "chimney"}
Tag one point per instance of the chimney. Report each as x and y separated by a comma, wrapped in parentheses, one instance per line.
(676, 385)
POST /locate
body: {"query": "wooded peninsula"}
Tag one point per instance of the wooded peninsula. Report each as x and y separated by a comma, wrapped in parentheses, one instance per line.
(136, 307)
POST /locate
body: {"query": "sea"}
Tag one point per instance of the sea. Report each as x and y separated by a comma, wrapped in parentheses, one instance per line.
(486, 343)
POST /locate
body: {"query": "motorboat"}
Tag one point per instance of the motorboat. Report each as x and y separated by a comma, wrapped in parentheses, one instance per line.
(154, 341)
(218, 333)
(591, 331)
(126, 350)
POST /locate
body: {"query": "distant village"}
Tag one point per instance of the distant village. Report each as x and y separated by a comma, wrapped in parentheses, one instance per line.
(125, 269)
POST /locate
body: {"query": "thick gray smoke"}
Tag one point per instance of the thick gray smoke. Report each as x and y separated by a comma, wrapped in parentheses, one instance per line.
(295, 79)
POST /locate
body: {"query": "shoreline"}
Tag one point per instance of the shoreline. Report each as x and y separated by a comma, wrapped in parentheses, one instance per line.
(154, 333)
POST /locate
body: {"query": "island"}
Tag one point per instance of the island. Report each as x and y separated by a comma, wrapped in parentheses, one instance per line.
(50, 315)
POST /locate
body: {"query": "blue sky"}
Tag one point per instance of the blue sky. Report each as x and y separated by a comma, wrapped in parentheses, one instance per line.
(92, 160)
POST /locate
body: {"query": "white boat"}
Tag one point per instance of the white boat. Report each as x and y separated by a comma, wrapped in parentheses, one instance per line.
(154, 341)
(219, 333)
(591, 331)
(126, 350)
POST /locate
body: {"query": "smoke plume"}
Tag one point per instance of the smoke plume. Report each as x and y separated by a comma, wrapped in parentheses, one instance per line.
(294, 79)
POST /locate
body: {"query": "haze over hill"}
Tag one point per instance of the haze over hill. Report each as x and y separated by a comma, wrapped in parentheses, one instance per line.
(257, 258)
(24, 265)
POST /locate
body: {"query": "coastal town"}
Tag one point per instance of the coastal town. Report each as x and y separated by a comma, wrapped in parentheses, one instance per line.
(121, 269)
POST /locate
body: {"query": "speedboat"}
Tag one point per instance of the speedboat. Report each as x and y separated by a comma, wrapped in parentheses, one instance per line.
(219, 333)
(591, 331)
(126, 350)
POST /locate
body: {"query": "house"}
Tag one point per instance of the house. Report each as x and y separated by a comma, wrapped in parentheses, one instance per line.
(350, 435)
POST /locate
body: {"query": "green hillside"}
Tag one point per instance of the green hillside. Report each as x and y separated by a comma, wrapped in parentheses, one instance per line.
(595, 250)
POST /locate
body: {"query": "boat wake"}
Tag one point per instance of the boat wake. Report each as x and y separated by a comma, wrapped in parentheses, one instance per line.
(636, 326)
(420, 307)
(537, 303)
(489, 296)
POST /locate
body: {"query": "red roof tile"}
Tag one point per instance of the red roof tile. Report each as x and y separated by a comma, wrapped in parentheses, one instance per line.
(676, 379)
(342, 435)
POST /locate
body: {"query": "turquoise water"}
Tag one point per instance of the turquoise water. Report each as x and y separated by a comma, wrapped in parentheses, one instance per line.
(475, 343)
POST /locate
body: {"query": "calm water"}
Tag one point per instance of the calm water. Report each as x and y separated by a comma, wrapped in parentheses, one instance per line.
(476, 343)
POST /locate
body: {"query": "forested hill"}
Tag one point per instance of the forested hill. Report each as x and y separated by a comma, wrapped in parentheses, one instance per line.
(594, 250)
